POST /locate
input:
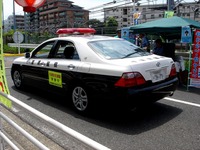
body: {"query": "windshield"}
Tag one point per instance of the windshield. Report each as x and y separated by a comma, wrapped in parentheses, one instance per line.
(117, 49)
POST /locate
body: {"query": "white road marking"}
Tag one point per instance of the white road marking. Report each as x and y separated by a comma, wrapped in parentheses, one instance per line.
(181, 101)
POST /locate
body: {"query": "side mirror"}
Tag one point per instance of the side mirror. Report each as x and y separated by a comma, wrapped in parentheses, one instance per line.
(27, 55)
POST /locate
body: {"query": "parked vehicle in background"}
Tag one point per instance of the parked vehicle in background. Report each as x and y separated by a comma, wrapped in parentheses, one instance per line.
(90, 68)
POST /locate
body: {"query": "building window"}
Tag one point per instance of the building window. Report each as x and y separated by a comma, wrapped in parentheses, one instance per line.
(125, 11)
(124, 19)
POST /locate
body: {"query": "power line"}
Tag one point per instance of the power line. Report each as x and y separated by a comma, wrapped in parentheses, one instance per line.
(109, 8)
(106, 4)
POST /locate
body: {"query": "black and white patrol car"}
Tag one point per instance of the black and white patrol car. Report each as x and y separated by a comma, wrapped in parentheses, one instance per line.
(91, 68)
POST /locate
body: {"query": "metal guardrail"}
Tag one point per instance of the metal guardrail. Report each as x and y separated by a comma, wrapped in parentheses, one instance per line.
(22, 45)
(23, 132)
(87, 141)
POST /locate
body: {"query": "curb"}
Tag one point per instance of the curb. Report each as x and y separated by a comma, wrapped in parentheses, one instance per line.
(12, 55)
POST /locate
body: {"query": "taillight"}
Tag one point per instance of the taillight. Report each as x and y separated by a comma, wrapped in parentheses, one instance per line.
(130, 79)
(173, 71)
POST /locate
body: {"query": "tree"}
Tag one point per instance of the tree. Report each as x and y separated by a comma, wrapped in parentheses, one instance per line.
(94, 23)
(111, 26)
(111, 22)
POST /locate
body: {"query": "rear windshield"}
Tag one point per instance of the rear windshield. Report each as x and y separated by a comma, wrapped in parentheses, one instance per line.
(117, 49)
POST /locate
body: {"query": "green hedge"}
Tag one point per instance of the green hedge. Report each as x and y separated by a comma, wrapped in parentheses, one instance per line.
(12, 50)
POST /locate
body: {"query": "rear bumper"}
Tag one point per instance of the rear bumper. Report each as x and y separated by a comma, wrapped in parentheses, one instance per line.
(151, 93)
(165, 88)
(128, 98)
(142, 95)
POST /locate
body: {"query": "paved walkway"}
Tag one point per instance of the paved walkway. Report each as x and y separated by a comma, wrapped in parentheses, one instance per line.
(19, 140)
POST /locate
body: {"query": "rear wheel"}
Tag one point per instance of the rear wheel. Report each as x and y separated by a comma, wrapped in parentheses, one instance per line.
(80, 99)
(17, 79)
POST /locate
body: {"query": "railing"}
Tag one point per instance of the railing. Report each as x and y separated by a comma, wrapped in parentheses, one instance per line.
(81, 138)
(23, 132)
(23, 45)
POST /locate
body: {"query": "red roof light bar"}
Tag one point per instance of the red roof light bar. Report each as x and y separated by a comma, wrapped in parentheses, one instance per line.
(76, 31)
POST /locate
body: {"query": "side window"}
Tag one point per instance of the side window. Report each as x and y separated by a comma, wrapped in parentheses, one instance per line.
(66, 50)
(61, 46)
(44, 50)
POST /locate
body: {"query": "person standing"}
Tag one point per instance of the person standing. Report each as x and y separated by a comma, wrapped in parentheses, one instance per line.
(144, 42)
(158, 49)
(118, 34)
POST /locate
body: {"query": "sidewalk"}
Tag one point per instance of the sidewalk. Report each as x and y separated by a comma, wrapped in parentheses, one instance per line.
(50, 136)
(19, 140)
(12, 55)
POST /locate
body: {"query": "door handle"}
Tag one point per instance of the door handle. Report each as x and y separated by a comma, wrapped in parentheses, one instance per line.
(42, 64)
(71, 67)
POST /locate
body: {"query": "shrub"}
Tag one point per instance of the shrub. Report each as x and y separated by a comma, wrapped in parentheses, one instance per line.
(12, 50)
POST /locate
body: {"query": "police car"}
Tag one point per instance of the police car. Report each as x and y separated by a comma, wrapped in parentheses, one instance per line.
(90, 68)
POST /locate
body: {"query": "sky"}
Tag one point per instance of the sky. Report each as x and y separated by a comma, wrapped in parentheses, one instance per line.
(86, 4)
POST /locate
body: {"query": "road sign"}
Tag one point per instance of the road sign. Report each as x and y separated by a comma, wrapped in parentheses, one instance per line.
(18, 37)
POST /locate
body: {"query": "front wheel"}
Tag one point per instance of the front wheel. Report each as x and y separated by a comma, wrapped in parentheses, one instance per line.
(80, 99)
(17, 79)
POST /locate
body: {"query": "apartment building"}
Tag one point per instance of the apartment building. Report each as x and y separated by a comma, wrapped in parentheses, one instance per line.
(55, 14)
(124, 15)
(9, 23)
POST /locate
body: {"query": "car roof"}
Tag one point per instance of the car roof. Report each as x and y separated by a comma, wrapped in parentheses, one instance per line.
(84, 38)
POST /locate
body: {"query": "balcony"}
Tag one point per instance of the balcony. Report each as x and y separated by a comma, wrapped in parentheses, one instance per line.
(62, 14)
(79, 19)
(51, 16)
(78, 13)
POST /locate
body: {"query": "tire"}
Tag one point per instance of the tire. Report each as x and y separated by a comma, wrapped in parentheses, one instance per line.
(80, 99)
(17, 79)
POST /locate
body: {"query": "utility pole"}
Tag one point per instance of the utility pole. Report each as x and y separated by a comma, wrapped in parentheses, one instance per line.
(26, 27)
(14, 19)
(168, 7)
(195, 11)
(170, 4)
